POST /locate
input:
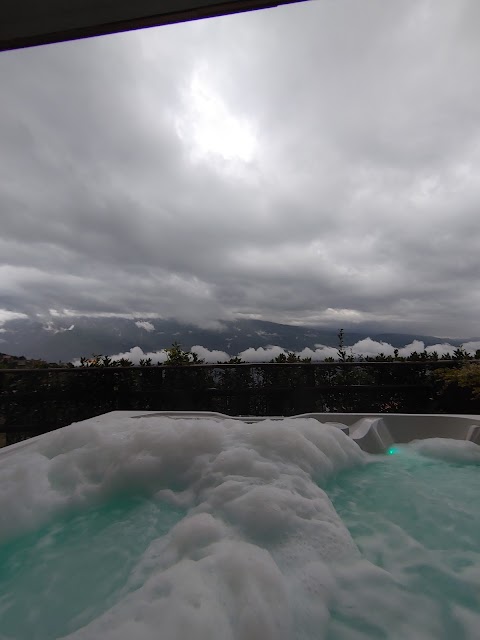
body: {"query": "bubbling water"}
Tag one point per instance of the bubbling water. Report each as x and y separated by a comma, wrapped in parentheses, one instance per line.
(175, 528)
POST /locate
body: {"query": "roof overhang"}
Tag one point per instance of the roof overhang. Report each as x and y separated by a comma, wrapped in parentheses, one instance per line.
(26, 23)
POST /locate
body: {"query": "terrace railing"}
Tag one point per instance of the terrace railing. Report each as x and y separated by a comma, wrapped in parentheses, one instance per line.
(34, 401)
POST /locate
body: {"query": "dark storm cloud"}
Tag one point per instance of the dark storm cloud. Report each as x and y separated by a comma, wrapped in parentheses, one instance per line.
(359, 201)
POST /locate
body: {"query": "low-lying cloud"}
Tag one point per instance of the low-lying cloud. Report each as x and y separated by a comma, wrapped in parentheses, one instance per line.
(366, 347)
(50, 326)
(144, 324)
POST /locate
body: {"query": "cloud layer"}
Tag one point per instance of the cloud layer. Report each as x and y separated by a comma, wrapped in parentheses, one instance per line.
(367, 347)
(317, 163)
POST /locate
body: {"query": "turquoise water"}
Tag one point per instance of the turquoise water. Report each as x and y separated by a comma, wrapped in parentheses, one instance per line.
(60, 577)
(419, 520)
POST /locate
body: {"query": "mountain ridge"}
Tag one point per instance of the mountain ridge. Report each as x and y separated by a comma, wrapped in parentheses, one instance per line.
(69, 339)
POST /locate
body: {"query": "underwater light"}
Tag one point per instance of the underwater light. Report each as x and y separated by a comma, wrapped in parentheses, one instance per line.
(392, 451)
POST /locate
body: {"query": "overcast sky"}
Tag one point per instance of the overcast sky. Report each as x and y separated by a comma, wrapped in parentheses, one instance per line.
(316, 163)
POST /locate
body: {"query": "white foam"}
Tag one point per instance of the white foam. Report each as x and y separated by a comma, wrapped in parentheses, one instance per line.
(462, 451)
(249, 558)
(260, 554)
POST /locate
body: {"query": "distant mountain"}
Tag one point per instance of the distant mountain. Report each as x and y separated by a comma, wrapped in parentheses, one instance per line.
(64, 340)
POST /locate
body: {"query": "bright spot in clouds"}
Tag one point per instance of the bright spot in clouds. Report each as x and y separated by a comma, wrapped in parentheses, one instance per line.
(210, 126)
